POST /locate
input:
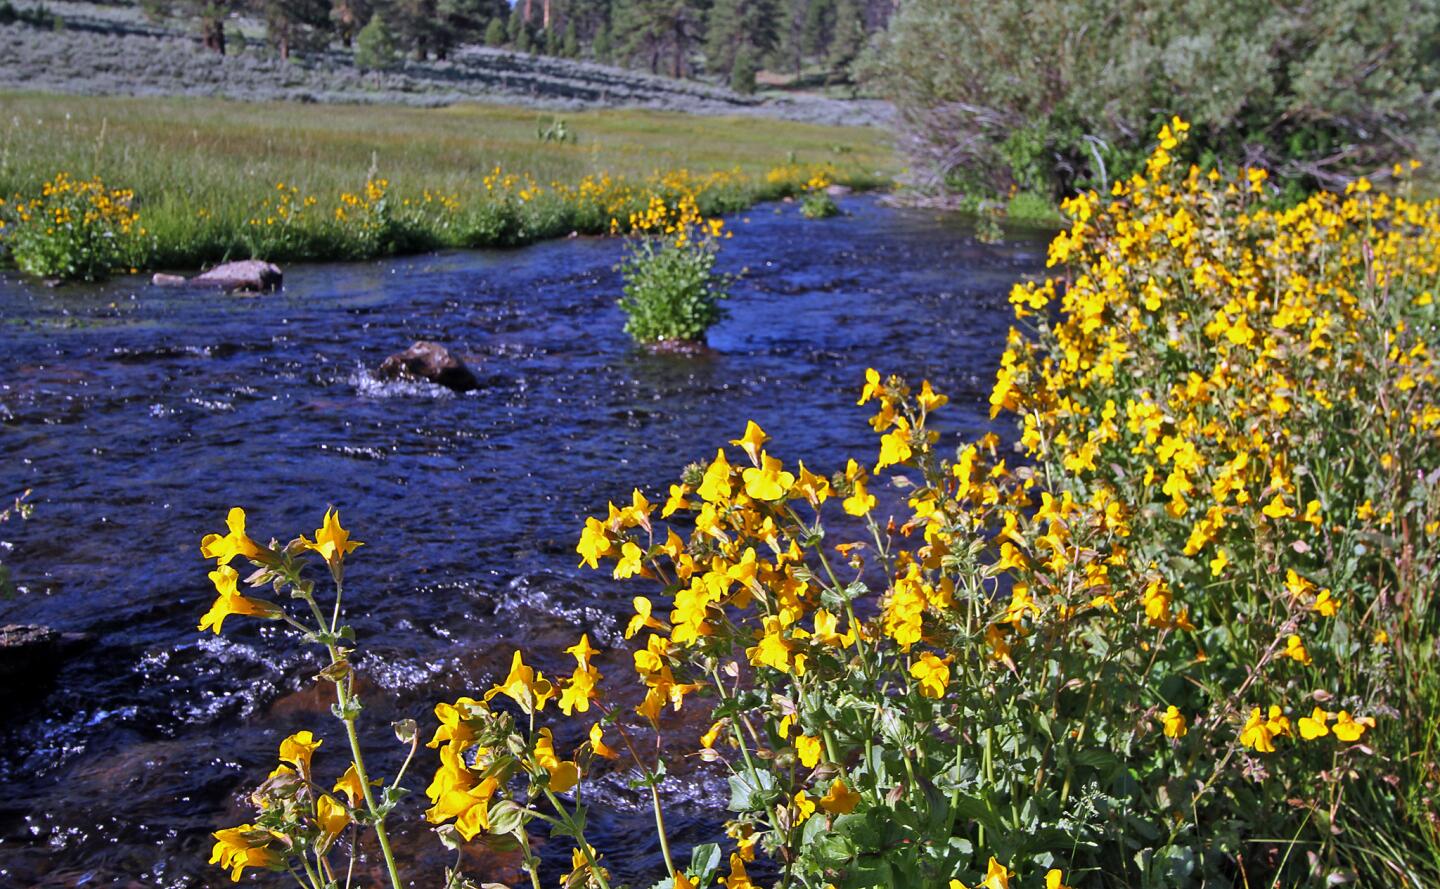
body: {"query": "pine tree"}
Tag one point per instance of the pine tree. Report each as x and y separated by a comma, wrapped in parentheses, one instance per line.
(819, 25)
(848, 39)
(495, 32)
(463, 21)
(570, 48)
(347, 17)
(658, 34)
(600, 46)
(742, 73)
(295, 24)
(735, 25)
(516, 25)
(375, 46)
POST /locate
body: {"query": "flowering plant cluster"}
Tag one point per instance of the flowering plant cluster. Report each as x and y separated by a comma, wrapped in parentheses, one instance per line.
(1174, 641)
(80, 229)
(74, 228)
(672, 292)
(815, 201)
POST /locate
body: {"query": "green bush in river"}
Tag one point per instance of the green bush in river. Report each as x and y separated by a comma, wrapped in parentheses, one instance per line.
(672, 293)
(1059, 95)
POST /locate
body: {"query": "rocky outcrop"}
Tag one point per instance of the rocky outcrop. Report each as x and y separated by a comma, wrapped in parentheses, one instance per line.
(431, 362)
(248, 275)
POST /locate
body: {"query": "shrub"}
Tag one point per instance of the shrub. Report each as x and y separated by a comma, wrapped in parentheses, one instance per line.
(1062, 94)
(75, 229)
(672, 292)
(816, 202)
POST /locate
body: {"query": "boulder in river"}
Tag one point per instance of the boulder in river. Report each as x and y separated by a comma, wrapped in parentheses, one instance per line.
(29, 652)
(432, 362)
(248, 275)
(835, 190)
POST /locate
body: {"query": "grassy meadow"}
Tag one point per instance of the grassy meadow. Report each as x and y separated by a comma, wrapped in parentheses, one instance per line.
(204, 172)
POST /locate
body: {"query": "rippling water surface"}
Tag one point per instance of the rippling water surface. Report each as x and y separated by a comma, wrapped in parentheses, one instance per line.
(140, 415)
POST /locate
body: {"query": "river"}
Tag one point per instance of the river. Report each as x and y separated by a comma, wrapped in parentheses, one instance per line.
(140, 415)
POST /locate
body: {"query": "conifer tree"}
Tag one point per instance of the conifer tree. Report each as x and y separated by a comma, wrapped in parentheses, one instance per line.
(375, 46)
(495, 32)
(739, 24)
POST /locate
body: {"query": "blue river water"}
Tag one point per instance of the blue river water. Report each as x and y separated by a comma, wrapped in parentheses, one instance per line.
(140, 415)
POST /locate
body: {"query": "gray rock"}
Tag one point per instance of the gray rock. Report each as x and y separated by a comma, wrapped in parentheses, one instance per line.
(429, 361)
(837, 190)
(250, 275)
(29, 652)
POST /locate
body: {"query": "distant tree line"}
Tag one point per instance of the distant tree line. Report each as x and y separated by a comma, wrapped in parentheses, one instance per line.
(733, 39)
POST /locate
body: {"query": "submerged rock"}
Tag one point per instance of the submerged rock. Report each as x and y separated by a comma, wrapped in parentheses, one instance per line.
(29, 652)
(684, 348)
(432, 362)
(249, 275)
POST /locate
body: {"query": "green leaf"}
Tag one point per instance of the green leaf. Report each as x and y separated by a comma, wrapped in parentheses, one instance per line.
(748, 794)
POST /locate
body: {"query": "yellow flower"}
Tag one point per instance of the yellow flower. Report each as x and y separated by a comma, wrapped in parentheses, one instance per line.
(1256, 734)
(1217, 564)
(564, 775)
(1054, 879)
(1295, 650)
(1314, 725)
(933, 674)
(840, 799)
(349, 784)
(804, 806)
(224, 549)
(231, 602)
(597, 743)
(1277, 508)
(738, 878)
(751, 441)
(715, 486)
(809, 750)
(1350, 729)
(767, 481)
(642, 618)
(895, 445)
(1174, 722)
(873, 387)
(860, 501)
(1326, 604)
(996, 877)
(773, 649)
(631, 562)
(245, 846)
(297, 750)
(469, 806)
(929, 399)
(524, 686)
(332, 542)
(332, 816)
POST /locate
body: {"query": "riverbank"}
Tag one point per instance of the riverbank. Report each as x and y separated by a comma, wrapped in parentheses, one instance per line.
(215, 179)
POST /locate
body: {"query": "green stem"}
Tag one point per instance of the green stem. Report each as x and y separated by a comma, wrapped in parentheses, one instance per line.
(579, 838)
(530, 860)
(660, 826)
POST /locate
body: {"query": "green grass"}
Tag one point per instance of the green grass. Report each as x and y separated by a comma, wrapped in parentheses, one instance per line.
(182, 156)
